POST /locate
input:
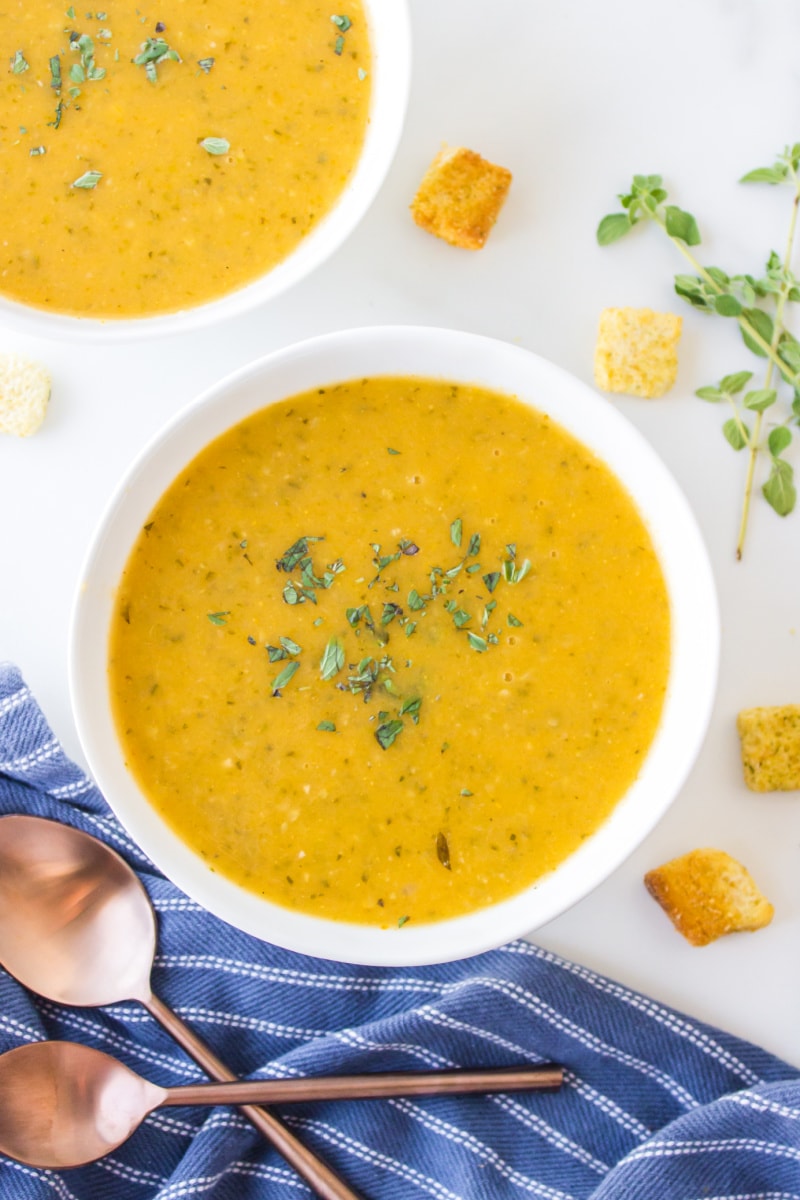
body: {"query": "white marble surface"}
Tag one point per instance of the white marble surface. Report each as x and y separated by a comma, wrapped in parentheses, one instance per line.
(574, 98)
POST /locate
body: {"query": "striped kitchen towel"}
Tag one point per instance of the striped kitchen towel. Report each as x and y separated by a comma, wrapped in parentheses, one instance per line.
(655, 1103)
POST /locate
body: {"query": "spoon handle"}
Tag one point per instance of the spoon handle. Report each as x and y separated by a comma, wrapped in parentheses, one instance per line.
(370, 1087)
(311, 1168)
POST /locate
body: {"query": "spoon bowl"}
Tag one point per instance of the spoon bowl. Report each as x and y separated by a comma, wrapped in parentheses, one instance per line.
(76, 924)
(63, 1105)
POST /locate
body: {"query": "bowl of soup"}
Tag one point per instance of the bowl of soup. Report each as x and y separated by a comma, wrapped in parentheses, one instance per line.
(167, 171)
(393, 645)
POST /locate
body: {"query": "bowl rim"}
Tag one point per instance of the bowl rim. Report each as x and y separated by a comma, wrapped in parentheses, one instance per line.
(391, 46)
(463, 357)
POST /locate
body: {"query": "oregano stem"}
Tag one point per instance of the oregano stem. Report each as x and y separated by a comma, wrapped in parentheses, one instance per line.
(776, 335)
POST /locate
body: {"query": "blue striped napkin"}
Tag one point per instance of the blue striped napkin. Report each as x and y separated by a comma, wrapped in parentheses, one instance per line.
(655, 1104)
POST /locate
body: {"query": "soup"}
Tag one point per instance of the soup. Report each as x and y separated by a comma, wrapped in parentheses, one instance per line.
(390, 650)
(155, 159)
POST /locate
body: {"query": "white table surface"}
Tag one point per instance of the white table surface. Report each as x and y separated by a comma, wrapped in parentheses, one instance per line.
(573, 98)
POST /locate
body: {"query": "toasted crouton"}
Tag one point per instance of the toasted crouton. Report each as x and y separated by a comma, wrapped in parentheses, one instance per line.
(637, 351)
(770, 740)
(706, 894)
(460, 196)
(24, 393)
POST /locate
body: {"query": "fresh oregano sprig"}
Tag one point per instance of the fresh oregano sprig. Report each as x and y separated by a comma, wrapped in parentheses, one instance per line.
(758, 306)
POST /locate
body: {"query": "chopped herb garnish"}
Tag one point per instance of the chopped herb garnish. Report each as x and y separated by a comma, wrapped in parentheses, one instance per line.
(513, 573)
(327, 726)
(71, 13)
(289, 646)
(387, 733)
(251, 639)
(19, 64)
(89, 179)
(390, 611)
(79, 73)
(410, 627)
(474, 545)
(491, 580)
(362, 74)
(60, 106)
(410, 708)
(415, 601)
(276, 653)
(285, 675)
(455, 531)
(205, 64)
(515, 621)
(332, 659)
(477, 643)
(461, 617)
(403, 921)
(216, 618)
(466, 792)
(338, 45)
(55, 73)
(37, 150)
(341, 22)
(389, 450)
(216, 145)
(408, 548)
(487, 612)
(443, 851)
(153, 52)
(297, 551)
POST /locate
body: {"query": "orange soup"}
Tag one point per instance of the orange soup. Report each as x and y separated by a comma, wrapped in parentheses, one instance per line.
(152, 159)
(389, 651)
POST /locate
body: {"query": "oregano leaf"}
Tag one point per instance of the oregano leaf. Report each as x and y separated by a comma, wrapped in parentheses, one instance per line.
(776, 174)
(612, 228)
(736, 433)
(780, 439)
(727, 305)
(712, 394)
(681, 225)
(736, 382)
(760, 399)
(779, 490)
(761, 322)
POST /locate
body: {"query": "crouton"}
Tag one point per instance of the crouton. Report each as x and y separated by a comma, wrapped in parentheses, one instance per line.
(770, 742)
(24, 393)
(460, 197)
(637, 351)
(706, 894)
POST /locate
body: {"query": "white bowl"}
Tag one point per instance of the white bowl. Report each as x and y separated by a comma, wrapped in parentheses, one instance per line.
(452, 356)
(390, 42)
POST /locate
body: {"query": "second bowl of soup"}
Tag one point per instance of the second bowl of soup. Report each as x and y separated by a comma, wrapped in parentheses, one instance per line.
(170, 169)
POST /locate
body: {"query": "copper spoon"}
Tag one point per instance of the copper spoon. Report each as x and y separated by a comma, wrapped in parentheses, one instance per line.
(64, 1105)
(76, 926)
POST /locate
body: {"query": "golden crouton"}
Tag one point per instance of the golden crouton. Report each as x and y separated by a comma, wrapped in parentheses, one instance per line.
(706, 894)
(637, 351)
(460, 197)
(24, 393)
(770, 740)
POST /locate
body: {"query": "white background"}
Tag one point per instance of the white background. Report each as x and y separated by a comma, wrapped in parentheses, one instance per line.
(573, 98)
